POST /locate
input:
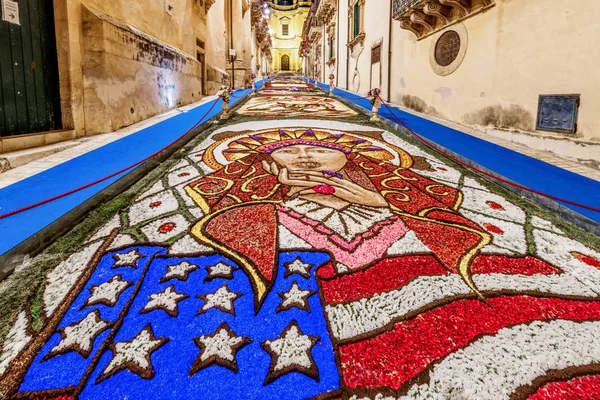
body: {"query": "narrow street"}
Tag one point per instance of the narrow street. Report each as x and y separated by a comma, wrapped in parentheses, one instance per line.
(298, 250)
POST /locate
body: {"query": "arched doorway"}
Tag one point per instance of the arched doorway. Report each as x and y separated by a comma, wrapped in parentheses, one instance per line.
(285, 63)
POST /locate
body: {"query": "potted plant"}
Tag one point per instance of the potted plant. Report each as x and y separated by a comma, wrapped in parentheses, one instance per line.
(225, 95)
(375, 100)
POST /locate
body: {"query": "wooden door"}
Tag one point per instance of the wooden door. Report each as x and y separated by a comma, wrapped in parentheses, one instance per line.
(285, 63)
(29, 87)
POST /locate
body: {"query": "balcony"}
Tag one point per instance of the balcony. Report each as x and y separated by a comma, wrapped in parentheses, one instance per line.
(288, 5)
(326, 10)
(425, 17)
(315, 30)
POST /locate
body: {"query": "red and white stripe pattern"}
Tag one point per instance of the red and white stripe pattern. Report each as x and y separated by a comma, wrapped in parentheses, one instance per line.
(406, 321)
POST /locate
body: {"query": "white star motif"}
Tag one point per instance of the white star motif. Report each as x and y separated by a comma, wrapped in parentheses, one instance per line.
(166, 300)
(128, 259)
(291, 352)
(295, 297)
(221, 270)
(179, 271)
(297, 267)
(219, 348)
(222, 299)
(107, 293)
(134, 355)
(80, 336)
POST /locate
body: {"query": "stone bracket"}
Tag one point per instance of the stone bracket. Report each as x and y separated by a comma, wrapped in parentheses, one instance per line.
(425, 17)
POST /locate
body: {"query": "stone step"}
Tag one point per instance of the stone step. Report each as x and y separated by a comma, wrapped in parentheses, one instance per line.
(17, 158)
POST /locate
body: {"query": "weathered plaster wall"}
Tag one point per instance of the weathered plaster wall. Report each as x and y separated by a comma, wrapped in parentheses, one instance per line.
(69, 43)
(132, 55)
(342, 36)
(216, 48)
(130, 76)
(376, 30)
(516, 51)
(121, 61)
(149, 16)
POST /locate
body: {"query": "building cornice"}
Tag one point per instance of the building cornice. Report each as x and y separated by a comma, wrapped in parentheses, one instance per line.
(426, 17)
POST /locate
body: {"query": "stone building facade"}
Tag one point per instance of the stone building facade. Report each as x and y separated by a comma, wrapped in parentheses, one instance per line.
(286, 21)
(122, 61)
(479, 63)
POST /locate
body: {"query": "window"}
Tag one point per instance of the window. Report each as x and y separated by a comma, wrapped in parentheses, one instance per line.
(285, 29)
(330, 48)
(376, 54)
(356, 18)
(447, 48)
(355, 15)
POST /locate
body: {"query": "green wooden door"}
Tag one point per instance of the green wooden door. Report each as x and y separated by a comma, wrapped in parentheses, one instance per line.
(29, 89)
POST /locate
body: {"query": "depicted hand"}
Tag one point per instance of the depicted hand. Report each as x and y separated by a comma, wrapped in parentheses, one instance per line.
(344, 188)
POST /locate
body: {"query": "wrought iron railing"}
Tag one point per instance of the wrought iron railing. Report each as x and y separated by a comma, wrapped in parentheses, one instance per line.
(401, 6)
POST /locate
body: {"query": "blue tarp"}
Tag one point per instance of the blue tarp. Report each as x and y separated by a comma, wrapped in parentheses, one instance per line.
(519, 168)
(85, 169)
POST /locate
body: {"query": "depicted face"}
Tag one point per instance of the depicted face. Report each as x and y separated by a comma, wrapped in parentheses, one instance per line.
(309, 158)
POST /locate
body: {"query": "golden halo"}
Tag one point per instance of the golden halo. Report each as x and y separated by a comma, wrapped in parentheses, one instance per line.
(245, 144)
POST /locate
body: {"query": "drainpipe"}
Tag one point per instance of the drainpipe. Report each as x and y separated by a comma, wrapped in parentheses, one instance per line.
(389, 69)
(347, 57)
(337, 42)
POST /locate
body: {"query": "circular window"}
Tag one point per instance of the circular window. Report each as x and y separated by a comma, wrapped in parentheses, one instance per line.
(447, 48)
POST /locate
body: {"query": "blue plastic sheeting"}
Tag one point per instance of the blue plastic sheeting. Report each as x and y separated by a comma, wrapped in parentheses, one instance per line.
(85, 169)
(519, 168)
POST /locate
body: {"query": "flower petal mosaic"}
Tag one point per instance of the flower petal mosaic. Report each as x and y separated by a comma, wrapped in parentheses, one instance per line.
(315, 259)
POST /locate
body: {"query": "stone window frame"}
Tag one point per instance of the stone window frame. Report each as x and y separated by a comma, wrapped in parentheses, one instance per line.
(464, 44)
(353, 36)
(285, 21)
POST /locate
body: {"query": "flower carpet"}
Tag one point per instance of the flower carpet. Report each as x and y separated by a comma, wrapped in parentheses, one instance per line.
(313, 258)
(295, 106)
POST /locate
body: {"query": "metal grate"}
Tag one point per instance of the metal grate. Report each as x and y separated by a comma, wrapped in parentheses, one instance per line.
(447, 48)
(558, 113)
(401, 6)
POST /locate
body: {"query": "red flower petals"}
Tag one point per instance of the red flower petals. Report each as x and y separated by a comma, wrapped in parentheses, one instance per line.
(493, 228)
(324, 189)
(417, 342)
(584, 388)
(155, 204)
(183, 174)
(166, 228)
(592, 262)
(495, 205)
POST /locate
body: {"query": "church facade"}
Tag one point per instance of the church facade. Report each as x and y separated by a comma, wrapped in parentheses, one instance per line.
(286, 22)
